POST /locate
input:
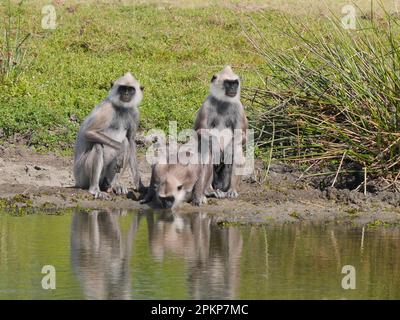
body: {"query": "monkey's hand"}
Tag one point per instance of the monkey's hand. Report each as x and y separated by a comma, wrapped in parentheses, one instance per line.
(219, 194)
(198, 201)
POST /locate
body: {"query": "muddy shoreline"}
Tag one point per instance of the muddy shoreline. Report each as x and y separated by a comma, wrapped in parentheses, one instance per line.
(43, 183)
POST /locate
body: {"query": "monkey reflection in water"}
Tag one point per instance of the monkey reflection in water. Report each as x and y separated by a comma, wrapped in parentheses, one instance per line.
(212, 253)
(100, 255)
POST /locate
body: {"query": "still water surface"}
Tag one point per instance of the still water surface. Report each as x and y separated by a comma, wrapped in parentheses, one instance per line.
(153, 255)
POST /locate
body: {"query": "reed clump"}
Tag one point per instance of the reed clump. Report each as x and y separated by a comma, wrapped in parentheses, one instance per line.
(12, 49)
(331, 94)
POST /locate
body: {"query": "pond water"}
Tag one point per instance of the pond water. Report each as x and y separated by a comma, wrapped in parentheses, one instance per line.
(160, 255)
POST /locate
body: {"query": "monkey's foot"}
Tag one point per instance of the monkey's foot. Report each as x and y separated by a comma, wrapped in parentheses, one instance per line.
(100, 195)
(220, 194)
(118, 189)
(232, 194)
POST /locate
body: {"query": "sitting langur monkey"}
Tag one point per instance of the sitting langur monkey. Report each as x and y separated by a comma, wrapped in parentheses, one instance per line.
(106, 140)
(221, 112)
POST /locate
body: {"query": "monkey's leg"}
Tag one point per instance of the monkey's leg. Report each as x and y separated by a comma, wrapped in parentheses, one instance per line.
(209, 190)
(116, 168)
(232, 192)
(93, 167)
(203, 187)
(199, 197)
(233, 182)
(219, 185)
(217, 176)
(137, 182)
(226, 177)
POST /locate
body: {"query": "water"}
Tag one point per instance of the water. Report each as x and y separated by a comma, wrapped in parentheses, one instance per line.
(149, 255)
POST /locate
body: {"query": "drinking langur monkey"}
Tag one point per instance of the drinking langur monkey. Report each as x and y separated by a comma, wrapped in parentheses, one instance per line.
(174, 183)
(223, 111)
(106, 140)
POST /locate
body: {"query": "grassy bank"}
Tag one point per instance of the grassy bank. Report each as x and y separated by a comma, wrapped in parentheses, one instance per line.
(173, 47)
(172, 51)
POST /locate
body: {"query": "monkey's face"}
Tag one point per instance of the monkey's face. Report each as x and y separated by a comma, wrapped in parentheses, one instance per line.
(170, 192)
(126, 93)
(231, 87)
(225, 85)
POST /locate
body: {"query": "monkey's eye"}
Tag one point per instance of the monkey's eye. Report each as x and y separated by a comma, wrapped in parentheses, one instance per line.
(180, 187)
(213, 78)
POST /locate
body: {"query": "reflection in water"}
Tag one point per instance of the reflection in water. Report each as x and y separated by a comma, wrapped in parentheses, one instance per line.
(100, 256)
(212, 253)
(160, 255)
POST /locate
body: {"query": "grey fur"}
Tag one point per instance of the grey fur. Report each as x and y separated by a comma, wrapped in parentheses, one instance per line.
(106, 143)
(220, 111)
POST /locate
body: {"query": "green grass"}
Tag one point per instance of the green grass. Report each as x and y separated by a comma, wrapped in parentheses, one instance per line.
(173, 52)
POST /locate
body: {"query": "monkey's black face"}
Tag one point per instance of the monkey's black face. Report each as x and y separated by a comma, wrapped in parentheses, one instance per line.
(231, 87)
(167, 202)
(126, 93)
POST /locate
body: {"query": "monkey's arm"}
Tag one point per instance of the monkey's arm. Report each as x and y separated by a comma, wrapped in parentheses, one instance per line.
(95, 129)
(201, 118)
(205, 134)
(199, 197)
(234, 178)
(97, 136)
(244, 127)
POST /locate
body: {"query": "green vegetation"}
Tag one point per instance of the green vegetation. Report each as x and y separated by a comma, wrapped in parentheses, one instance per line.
(313, 90)
(173, 52)
(334, 95)
(12, 52)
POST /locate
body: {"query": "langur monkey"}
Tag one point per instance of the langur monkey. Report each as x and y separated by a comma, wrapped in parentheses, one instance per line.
(174, 183)
(106, 140)
(220, 111)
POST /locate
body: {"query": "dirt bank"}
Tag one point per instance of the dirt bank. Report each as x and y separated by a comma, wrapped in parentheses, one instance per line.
(44, 182)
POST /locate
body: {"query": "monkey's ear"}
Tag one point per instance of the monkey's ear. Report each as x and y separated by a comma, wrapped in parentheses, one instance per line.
(142, 88)
(213, 78)
(111, 84)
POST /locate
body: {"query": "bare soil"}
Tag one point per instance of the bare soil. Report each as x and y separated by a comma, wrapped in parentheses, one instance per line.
(44, 182)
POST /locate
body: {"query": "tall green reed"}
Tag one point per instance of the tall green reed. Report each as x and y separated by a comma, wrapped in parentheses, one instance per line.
(331, 93)
(12, 50)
